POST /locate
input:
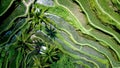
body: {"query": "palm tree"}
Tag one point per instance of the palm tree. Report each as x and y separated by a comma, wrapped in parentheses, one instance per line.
(51, 31)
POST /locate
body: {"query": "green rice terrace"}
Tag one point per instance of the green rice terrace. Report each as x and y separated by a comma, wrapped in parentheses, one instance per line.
(59, 33)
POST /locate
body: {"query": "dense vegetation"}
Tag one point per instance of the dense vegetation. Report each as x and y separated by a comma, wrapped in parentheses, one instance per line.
(59, 34)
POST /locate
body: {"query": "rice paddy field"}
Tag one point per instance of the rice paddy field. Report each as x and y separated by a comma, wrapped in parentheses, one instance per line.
(59, 33)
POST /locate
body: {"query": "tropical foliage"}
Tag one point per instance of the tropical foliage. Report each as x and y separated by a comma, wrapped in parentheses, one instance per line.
(59, 34)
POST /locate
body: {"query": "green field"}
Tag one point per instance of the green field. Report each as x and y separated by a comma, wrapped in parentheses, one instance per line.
(60, 34)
